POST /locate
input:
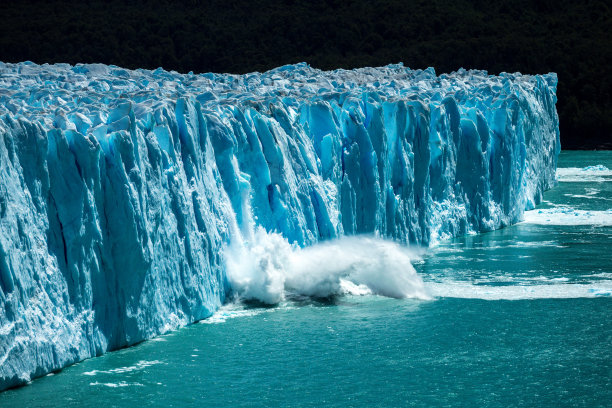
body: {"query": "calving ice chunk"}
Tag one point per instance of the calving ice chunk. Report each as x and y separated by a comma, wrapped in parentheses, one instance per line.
(132, 201)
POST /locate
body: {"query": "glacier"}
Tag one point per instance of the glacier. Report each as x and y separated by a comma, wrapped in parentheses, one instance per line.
(122, 190)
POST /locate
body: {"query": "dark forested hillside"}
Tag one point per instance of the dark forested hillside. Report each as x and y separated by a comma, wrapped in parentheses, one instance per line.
(572, 38)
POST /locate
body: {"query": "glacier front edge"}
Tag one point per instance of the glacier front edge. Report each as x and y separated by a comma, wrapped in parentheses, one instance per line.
(121, 189)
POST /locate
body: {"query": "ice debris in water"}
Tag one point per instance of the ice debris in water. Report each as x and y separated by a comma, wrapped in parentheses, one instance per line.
(121, 190)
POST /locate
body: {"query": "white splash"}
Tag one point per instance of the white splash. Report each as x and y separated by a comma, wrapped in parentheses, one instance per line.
(268, 267)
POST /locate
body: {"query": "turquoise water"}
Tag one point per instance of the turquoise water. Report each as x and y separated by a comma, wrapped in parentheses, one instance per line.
(518, 317)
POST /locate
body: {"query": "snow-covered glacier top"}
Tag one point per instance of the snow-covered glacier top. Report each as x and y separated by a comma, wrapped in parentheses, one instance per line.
(47, 91)
(134, 201)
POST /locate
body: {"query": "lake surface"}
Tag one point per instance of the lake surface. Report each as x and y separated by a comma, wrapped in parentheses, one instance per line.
(518, 317)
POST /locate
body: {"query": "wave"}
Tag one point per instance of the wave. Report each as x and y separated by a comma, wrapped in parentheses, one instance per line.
(568, 216)
(597, 173)
(466, 290)
(141, 365)
(268, 268)
(233, 310)
(120, 384)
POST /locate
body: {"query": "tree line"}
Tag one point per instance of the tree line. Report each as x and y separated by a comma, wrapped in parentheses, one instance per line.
(571, 38)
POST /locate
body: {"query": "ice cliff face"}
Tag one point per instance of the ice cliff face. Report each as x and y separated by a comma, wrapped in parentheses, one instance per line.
(120, 190)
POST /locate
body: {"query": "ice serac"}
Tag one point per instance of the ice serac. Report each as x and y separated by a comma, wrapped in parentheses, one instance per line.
(120, 190)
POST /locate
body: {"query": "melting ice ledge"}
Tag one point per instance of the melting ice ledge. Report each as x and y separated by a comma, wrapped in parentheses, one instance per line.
(121, 190)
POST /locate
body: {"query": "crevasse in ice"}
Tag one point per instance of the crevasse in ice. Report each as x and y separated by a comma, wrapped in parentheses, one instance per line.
(120, 190)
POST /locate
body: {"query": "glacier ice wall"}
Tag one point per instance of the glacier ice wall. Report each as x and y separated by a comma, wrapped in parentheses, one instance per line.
(120, 190)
